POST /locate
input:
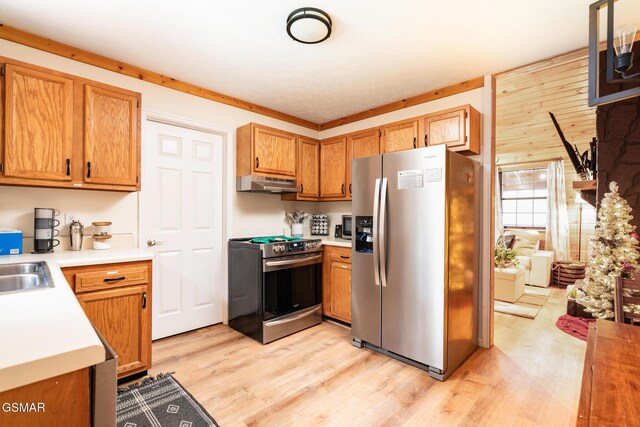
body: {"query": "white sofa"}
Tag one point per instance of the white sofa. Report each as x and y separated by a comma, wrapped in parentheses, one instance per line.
(536, 263)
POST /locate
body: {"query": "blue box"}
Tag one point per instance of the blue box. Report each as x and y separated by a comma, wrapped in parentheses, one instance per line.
(10, 241)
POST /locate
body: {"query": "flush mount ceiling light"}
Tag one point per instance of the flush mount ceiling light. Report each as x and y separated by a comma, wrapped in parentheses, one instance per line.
(309, 25)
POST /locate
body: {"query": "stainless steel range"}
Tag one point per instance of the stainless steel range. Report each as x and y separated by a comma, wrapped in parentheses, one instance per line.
(275, 286)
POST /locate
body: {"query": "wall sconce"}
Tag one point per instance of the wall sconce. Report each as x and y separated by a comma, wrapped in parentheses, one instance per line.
(619, 56)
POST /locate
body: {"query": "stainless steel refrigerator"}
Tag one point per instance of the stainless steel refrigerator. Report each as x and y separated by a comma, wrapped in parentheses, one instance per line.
(415, 247)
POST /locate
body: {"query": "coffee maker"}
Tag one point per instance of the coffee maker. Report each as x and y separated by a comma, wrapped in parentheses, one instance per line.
(44, 231)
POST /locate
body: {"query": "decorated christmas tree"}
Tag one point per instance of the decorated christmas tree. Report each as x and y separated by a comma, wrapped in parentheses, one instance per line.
(613, 252)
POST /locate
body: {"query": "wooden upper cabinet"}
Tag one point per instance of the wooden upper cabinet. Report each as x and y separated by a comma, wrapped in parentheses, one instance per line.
(400, 136)
(309, 167)
(265, 151)
(458, 128)
(56, 124)
(38, 124)
(365, 144)
(111, 136)
(333, 168)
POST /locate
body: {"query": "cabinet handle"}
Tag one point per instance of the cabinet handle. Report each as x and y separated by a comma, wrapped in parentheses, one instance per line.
(115, 279)
(345, 256)
(68, 167)
(144, 300)
(425, 140)
(88, 169)
(301, 188)
(350, 188)
(342, 189)
(257, 162)
(414, 142)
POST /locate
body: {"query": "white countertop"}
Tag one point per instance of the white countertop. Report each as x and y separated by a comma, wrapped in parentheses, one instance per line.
(45, 333)
(333, 241)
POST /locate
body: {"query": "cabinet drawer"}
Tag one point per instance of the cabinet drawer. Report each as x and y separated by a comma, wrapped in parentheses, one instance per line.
(107, 278)
(341, 256)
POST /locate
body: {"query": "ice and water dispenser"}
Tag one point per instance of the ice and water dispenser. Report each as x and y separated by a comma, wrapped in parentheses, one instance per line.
(364, 234)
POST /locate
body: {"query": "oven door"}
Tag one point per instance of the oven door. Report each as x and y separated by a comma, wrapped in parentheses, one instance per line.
(291, 283)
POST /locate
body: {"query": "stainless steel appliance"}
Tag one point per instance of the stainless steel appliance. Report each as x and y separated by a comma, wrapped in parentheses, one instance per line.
(76, 233)
(265, 184)
(275, 286)
(104, 383)
(416, 257)
(346, 226)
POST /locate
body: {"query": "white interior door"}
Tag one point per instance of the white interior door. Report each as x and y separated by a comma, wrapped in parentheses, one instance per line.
(182, 196)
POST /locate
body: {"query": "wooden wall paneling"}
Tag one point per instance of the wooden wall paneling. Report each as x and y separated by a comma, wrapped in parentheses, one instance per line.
(525, 133)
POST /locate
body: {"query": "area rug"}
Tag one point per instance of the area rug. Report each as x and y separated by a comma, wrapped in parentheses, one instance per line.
(527, 306)
(575, 326)
(160, 401)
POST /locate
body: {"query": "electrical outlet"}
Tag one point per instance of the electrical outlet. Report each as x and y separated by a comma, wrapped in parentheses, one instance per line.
(70, 217)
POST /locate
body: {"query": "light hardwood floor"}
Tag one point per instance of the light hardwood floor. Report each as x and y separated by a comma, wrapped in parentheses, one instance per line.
(316, 377)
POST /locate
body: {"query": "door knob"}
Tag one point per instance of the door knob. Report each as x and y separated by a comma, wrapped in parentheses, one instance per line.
(153, 242)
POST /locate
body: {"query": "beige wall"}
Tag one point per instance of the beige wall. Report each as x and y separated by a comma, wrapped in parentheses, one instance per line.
(251, 214)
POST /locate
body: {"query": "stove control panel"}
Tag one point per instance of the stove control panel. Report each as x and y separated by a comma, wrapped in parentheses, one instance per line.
(290, 248)
(296, 246)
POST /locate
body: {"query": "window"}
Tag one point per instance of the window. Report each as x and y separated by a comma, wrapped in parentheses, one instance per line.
(524, 198)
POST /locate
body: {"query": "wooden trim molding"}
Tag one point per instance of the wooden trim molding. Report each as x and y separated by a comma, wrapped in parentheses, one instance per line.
(465, 86)
(16, 35)
(37, 42)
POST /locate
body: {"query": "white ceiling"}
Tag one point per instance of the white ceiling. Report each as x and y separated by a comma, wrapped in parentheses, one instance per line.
(380, 50)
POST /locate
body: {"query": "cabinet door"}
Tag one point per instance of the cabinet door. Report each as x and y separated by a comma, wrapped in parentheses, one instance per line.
(448, 128)
(366, 143)
(122, 316)
(38, 125)
(400, 136)
(333, 168)
(309, 167)
(341, 291)
(274, 151)
(111, 136)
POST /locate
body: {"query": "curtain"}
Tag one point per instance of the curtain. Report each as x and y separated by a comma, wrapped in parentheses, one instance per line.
(557, 234)
(499, 225)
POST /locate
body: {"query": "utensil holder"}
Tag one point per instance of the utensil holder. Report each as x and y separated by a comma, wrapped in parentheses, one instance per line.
(297, 230)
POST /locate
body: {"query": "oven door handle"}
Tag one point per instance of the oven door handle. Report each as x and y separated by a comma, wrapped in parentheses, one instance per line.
(292, 263)
(308, 312)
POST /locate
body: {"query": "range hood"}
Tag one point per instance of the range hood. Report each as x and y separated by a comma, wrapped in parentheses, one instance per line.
(265, 184)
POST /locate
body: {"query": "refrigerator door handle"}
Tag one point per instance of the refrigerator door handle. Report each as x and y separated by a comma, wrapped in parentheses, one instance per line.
(383, 238)
(376, 255)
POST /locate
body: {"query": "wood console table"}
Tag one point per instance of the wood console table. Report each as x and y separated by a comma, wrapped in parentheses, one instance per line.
(611, 377)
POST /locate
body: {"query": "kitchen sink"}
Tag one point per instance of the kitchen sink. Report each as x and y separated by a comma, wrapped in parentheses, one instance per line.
(25, 276)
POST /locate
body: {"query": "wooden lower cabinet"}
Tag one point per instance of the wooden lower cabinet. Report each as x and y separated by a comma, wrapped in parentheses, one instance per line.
(58, 401)
(336, 283)
(118, 304)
